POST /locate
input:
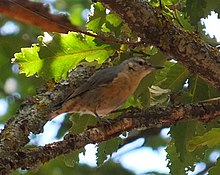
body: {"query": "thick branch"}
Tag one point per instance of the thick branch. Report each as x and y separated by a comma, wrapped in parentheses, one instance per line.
(145, 21)
(154, 28)
(36, 14)
(39, 15)
(33, 114)
(134, 118)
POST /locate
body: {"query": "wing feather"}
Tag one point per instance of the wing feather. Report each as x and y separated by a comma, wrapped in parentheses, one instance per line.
(100, 78)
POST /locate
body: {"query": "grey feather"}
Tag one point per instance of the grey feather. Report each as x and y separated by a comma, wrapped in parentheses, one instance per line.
(101, 77)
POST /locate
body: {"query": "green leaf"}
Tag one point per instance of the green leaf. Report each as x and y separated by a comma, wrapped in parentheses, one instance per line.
(215, 169)
(210, 139)
(29, 60)
(212, 5)
(101, 22)
(195, 10)
(81, 122)
(72, 159)
(107, 148)
(132, 101)
(157, 58)
(113, 19)
(75, 14)
(199, 90)
(173, 76)
(174, 163)
(156, 141)
(182, 19)
(164, 2)
(198, 9)
(161, 75)
(181, 133)
(142, 92)
(97, 19)
(213, 123)
(113, 24)
(53, 59)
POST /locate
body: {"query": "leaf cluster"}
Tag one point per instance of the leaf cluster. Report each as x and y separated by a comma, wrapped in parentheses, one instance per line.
(54, 55)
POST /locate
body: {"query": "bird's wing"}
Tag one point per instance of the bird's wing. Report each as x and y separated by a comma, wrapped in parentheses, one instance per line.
(100, 78)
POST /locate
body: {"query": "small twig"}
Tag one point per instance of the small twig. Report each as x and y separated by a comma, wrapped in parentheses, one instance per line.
(47, 21)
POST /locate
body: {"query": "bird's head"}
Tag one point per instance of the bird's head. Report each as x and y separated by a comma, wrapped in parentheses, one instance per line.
(140, 65)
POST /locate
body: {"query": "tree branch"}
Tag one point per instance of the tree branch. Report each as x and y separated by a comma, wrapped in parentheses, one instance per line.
(154, 28)
(36, 14)
(39, 15)
(33, 114)
(130, 119)
(144, 20)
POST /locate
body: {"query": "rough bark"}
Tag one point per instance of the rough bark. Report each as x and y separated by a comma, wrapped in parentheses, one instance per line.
(32, 115)
(144, 20)
(39, 15)
(154, 28)
(128, 120)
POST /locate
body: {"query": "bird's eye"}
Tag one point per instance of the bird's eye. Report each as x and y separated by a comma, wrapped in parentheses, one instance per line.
(140, 63)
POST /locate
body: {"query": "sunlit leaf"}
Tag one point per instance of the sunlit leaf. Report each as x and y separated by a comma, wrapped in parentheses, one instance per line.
(97, 18)
(53, 59)
(29, 60)
(76, 14)
(101, 21)
(209, 139)
(113, 19)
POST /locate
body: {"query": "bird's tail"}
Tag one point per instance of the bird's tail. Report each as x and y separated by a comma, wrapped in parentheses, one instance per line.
(68, 106)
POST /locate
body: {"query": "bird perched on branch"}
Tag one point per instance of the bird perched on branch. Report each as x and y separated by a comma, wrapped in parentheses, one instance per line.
(107, 89)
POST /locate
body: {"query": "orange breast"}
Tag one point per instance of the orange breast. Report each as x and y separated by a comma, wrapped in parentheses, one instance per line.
(114, 95)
